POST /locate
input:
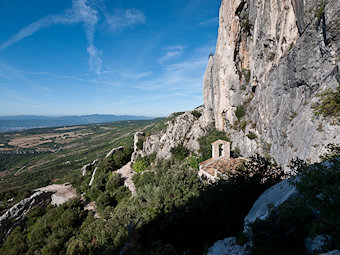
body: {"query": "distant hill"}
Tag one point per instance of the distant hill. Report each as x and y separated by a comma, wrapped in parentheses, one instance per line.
(21, 122)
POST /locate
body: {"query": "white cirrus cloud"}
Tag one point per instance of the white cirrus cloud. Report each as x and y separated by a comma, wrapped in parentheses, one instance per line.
(211, 21)
(171, 52)
(125, 18)
(87, 14)
(133, 75)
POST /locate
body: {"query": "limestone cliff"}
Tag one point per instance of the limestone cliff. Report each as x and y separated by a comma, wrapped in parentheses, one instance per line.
(182, 129)
(272, 59)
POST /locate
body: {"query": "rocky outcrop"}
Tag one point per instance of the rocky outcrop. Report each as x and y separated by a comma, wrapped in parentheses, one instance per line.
(15, 216)
(138, 141)
(114, 150)
(61, 193)
(88, 167)
(184, 129)
(270, 199)
(92, 177)
(228, 246)
(272, 58)
(126, 173)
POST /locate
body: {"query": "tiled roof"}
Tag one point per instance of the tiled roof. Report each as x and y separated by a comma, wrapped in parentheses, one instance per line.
(223, 165)
(207, 161)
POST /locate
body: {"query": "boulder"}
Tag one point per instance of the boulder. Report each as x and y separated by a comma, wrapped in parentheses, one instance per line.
(272, 197)
(228, 246)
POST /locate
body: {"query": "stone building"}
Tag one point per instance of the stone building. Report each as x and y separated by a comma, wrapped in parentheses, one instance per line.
(220, 164)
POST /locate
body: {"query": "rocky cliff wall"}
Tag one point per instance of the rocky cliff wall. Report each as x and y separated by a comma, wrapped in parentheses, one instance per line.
(272, 59)
(182, 129)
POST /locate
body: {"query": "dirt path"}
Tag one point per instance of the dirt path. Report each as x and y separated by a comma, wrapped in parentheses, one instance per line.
(126, 173)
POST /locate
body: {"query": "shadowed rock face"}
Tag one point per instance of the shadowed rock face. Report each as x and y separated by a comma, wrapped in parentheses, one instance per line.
(274, 196)
(228, 246)
(273, 57)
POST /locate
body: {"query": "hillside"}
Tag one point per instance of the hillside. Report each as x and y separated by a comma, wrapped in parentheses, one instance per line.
(33, 158)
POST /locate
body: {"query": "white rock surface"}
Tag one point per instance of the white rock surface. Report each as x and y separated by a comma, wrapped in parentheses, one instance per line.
(227, 246)
(16, 214)
(61, 193)
(290, 56)
(126, 172)
(184, 129)
(273, 196)
(88, 167)
(92, 177)
(114, 150)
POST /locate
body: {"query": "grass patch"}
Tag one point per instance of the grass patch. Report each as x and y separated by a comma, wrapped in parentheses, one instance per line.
(320, 10)
(196, 113)
(251, 136)
(329, 103)
(240, 112)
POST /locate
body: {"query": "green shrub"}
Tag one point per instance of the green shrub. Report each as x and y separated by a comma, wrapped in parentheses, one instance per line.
(197, 114)
(271, 56)
(246, 74)
(139, 166)
(194, 162)
(180, 152)
(329, 104)
(243, 125)
(142, 163)
(246, 25)
(320, 9)
(114, 182)
(206, 141)
(140, 143)
(251, 136)
(236, 152)
(240, 112)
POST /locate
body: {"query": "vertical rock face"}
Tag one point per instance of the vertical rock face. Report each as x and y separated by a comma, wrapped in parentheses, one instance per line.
(272, 59)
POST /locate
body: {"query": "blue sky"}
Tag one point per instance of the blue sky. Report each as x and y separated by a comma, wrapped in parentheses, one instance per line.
(75, 57)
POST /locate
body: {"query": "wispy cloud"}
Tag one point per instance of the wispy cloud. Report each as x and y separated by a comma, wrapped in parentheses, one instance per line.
(171, 52)
(75, 77)
(88, 15)
(208, 22)
(135, 76)
(66, 17)
(183, 77)
(125, 18)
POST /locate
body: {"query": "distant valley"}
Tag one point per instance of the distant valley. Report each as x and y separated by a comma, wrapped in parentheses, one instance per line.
(22, 122)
